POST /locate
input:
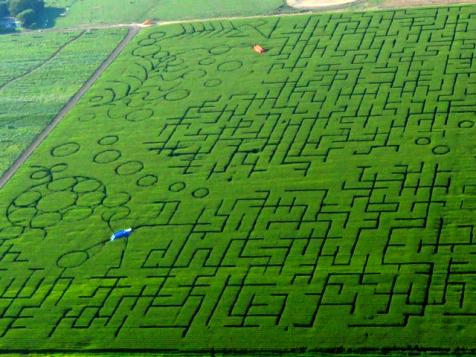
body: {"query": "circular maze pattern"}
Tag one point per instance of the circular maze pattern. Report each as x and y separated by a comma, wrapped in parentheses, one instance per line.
(44, 173)
(86, 117)
(177, 95)
(177, 186)
(466, 124)
(423, 141)
(64, 150)
(230, 66)
(200, 192)
(47, 204)
(118, 200)
(207, 61)
(219, 50)
(107, 156)
(129, 168)
(108, 140)
(212, 83)
(147, 180)
(139, 115)
(72, 259)
(441, 150)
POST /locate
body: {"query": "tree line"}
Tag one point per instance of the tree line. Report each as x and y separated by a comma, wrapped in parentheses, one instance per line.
(28, 12)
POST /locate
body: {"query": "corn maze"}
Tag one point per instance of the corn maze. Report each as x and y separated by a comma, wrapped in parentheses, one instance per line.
(318, 196)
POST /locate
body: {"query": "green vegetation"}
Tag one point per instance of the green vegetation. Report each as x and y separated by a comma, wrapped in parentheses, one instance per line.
(112, 11)
(29, 12)
(15, 7)
(38, 75)
(27, 17)
(4, 9)
(319, 196)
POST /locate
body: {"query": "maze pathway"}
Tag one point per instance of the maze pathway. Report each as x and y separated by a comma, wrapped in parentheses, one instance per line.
(318, 196)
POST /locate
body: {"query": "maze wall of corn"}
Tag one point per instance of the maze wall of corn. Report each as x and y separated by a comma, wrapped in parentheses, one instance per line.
(321, 195)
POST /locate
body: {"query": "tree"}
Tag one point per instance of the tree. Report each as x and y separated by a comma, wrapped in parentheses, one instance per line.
(4, 9)
(17, 6)
(27, 18)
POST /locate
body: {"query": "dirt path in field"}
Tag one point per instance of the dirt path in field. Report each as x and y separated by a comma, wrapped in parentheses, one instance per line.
(133, 30)
(42, 64)
(320, 4)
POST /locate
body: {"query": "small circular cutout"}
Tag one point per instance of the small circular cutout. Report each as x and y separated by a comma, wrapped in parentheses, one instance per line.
(108, 140)
(72, 259)
(129, 168)
(177, 186)
(64, 150)
(147, 181)
(212, 83)
(423, 141)
(441, 150)
(200, 192)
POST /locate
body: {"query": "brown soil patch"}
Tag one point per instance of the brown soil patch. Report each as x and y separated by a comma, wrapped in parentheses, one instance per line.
(319, 4)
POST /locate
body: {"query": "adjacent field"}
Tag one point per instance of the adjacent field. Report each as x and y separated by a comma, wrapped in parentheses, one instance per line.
(38, 74)
(112, 11)
(318, 196)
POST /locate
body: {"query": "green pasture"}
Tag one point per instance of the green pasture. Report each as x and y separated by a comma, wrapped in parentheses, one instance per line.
(79, 12)
(38, 74)
(317, 197)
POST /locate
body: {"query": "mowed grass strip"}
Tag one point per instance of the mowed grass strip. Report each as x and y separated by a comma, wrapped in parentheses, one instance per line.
(39, 74)
(319, 196)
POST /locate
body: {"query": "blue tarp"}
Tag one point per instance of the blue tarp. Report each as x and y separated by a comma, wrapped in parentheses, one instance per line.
(123, 233)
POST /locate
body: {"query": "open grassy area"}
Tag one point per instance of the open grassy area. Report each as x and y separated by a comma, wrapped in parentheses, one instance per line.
(111, 11)
(319, 196)
(38, 74)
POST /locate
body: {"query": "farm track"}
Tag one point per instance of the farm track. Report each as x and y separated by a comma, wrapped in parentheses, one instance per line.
(41, 65)
(133, 30)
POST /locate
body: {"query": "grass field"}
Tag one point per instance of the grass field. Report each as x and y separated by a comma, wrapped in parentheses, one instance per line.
(38, 74)
(111, 11)
(319, 196)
